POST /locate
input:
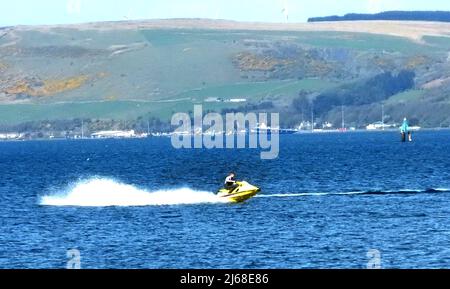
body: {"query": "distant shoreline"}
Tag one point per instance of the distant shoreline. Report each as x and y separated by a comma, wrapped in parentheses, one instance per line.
(302, 132)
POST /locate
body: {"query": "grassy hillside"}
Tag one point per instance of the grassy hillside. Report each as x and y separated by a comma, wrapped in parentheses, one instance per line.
(130, 70)
(131, 109)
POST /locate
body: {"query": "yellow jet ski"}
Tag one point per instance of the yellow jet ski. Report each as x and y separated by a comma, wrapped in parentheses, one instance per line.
(243, 192)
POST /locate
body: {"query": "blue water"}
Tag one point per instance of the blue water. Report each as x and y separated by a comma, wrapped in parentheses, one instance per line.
(325, 202)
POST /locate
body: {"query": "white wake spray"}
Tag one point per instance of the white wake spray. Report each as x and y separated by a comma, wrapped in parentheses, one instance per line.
(100, 192)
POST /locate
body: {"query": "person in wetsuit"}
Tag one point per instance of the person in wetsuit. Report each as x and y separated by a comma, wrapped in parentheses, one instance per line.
(230, 182)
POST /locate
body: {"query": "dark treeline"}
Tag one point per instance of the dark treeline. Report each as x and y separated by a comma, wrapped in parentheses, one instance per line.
(264, 106)
(71, 127)
(373, 90)
(440, 16)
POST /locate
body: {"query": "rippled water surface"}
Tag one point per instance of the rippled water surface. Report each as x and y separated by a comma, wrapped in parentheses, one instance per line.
(325, 202)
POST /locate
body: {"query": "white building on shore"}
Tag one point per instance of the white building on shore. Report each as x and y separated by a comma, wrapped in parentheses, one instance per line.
(10, 136)
(114, 134)
(380, 126)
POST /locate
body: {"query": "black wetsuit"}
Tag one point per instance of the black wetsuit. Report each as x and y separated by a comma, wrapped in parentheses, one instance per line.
(230, 183)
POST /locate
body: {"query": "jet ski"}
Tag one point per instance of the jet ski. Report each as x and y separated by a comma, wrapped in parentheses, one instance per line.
(243, 192)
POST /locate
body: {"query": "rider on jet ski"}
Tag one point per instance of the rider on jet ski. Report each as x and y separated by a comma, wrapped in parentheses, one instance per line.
(230, 182)
(237, 191)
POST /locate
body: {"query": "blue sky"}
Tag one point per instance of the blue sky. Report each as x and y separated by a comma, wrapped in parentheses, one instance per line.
(29, 12)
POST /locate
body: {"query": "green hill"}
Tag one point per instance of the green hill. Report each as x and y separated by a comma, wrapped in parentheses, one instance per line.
(129, 71)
